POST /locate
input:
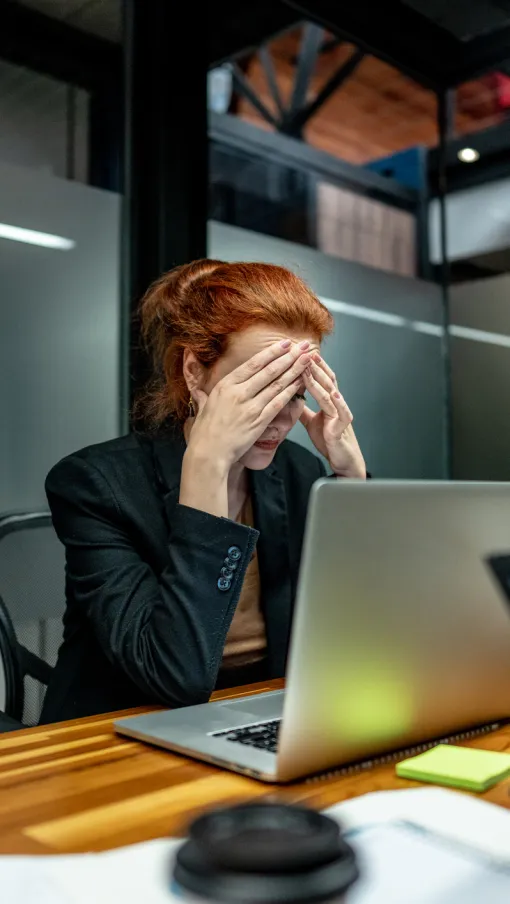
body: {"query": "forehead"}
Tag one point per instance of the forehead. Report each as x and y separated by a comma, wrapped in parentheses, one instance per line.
(244, 345)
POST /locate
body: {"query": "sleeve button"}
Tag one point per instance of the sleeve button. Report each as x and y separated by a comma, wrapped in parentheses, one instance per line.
(224, 584)
(226, 572)
(234, 553)
(230, 563)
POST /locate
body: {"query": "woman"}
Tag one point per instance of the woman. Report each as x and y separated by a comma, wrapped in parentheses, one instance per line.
(183, 542)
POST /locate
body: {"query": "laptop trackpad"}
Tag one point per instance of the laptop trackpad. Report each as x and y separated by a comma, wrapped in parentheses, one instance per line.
(260, 707)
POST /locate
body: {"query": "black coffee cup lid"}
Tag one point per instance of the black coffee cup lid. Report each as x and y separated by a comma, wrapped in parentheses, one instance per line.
(265, 853)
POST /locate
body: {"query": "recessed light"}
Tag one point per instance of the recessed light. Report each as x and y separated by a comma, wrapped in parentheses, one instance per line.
(32, 237)
(468, 155)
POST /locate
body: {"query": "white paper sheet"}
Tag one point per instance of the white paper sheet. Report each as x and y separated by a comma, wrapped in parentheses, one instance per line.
(22, 881)
(139, 874)
(450, 814)
(400, 865)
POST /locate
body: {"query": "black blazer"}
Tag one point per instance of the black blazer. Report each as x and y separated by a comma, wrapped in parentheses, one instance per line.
(146, 621)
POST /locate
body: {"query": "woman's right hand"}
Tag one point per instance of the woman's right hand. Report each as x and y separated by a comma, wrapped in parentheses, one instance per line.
(242, 404)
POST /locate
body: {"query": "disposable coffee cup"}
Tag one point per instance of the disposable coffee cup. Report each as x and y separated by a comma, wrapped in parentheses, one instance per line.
(264, 854)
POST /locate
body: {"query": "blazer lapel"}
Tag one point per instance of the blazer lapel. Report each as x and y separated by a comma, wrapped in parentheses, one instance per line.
(271, 519)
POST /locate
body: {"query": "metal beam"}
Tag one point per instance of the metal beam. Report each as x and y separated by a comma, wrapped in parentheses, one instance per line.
(268, 66)
(166, 178)
(106, 137)
(29, 38)
(294, 124)
(309, 51)
(450, 100)
(241, 84)
(298, 155)
(442, 123)
(424, 268)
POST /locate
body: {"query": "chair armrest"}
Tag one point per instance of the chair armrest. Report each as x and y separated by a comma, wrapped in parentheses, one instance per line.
(34, 666)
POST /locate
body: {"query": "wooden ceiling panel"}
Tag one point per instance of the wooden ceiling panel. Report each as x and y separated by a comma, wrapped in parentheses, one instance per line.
(376, 112)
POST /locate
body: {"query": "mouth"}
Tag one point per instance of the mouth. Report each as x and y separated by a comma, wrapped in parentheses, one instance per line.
(268, 444)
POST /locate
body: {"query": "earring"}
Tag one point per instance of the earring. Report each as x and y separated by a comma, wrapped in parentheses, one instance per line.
(191, 407)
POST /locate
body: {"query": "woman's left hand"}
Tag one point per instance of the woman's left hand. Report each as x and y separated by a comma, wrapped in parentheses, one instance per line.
(330, 429)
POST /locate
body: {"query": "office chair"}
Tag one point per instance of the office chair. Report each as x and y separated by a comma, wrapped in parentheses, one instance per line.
(16, 664)
(32, 591)
(10, 674)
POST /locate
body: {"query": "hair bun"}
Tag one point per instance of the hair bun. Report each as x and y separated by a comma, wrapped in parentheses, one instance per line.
(183, 279)
(171, 293)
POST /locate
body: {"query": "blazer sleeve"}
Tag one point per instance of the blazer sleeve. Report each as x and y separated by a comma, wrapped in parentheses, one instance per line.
(166, 632)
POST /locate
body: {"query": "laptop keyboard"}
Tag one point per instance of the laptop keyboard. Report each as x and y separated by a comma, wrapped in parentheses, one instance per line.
(264, 736)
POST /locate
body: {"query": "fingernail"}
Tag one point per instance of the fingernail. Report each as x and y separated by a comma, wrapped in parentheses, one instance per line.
(305, 359)
(286, 343)
(337, 395)
(304, 345)
(317, 359)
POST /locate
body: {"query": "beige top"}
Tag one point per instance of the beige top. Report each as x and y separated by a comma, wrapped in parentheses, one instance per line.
(246, 640)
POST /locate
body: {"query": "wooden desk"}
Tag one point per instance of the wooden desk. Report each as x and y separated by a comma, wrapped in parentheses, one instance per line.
(77, 786)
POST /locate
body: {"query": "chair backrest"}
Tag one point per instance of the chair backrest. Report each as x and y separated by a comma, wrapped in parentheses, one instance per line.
(11, 678)
(32, 586)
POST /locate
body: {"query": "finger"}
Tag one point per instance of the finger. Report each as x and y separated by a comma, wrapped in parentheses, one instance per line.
(342, 408)
(279, 401)
(278, 357)
(322, 377)
(285, 379)
(307, 416)
(297, 357)
(326, 368)
(321, 396)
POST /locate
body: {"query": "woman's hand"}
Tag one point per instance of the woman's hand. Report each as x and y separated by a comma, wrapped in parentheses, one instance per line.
(331, 428)
(241, 406)
(233, 417)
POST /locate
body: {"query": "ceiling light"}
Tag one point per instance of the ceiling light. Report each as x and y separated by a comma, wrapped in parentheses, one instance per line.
(31, 237)
(468, 155)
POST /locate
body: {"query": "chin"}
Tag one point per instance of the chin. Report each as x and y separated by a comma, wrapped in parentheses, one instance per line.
(257, 459)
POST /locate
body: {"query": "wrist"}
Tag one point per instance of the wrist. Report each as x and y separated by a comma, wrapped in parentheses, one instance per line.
(355, 469)
(204, 483)
(355, 474)
(206, 462)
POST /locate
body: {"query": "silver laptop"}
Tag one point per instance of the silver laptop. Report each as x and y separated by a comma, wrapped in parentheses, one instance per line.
(401, 634)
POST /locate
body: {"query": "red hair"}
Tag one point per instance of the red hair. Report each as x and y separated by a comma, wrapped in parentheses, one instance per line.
(198, 305)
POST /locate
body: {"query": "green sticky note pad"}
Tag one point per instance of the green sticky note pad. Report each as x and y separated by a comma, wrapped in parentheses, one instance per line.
(460, 767)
